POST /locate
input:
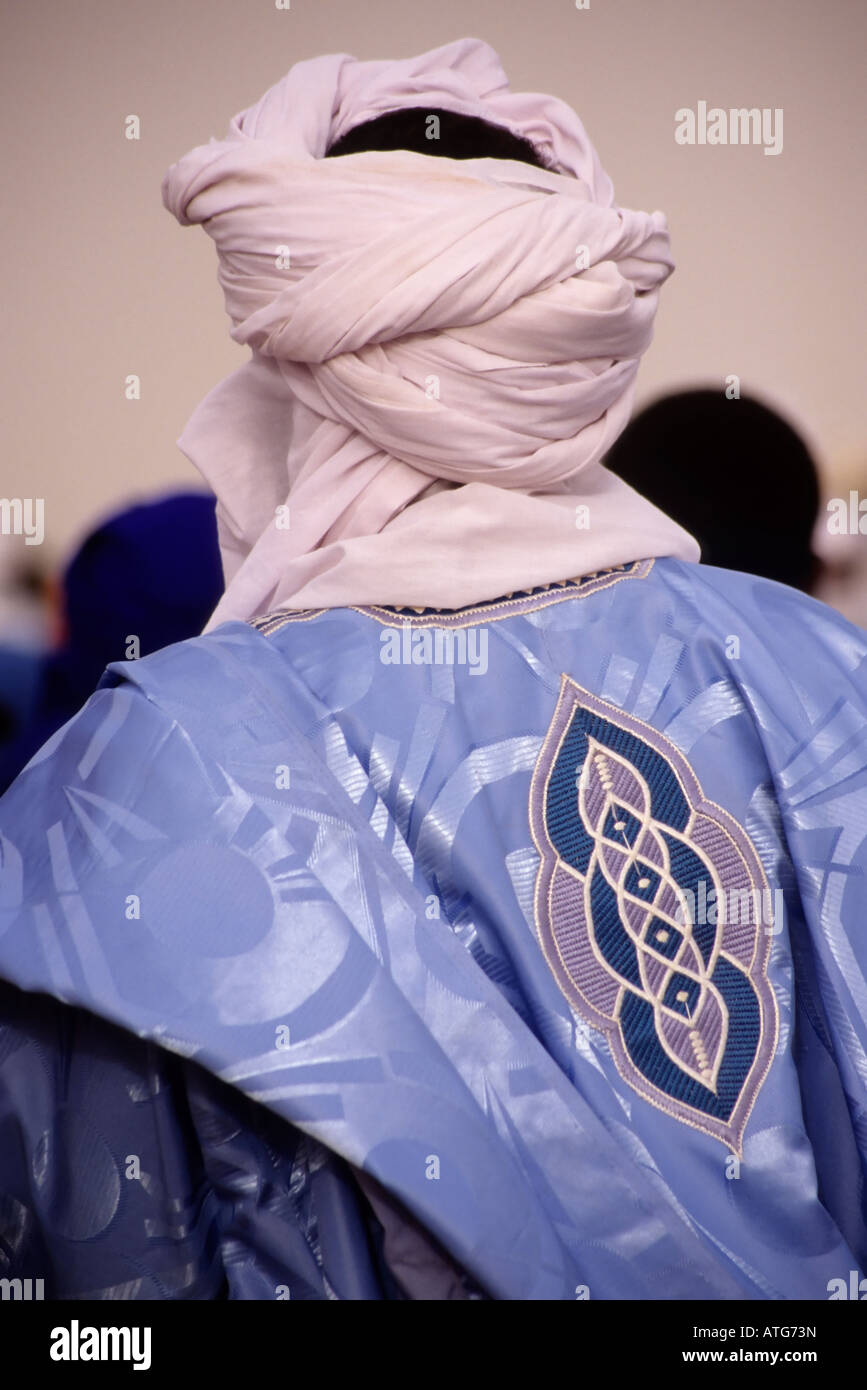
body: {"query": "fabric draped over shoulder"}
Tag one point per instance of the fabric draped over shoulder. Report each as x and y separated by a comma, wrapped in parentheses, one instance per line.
(442, 350)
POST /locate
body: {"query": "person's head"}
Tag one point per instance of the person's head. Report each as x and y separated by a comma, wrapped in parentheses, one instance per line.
(152, 569)
(734, 473)
(452, 135)
(417, 323)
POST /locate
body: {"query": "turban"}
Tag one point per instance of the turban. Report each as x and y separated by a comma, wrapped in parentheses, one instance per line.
(442, 350)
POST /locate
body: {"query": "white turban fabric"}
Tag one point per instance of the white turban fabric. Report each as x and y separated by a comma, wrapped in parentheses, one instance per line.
(442, 349)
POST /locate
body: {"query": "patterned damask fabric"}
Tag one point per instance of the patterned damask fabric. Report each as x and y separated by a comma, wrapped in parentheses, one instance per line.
(515, 954)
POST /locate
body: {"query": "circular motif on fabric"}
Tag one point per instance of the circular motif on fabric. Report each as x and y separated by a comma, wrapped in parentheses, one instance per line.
(77, 1177)
(211, 900)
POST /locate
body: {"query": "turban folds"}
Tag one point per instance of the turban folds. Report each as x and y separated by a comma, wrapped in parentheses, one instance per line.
(442, 350)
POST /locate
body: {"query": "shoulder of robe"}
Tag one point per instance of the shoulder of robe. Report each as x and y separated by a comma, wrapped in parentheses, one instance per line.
(778, 630)
(206, 677)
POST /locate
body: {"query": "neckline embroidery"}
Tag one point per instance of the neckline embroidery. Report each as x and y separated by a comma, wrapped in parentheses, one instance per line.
(490, 610)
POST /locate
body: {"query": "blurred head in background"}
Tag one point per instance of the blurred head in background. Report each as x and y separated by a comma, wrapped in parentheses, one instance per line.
(151, 572)
(735, 474)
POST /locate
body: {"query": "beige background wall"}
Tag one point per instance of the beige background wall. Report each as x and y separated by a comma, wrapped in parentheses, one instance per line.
(101, 281)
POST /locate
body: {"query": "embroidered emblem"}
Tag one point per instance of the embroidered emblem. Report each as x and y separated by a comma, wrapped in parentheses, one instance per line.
(628, 846)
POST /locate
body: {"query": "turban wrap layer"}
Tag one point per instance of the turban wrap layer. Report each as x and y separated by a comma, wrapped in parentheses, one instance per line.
(442, 350)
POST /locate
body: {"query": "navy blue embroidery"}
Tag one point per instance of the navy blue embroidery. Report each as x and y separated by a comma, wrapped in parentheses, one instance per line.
(629, 847)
